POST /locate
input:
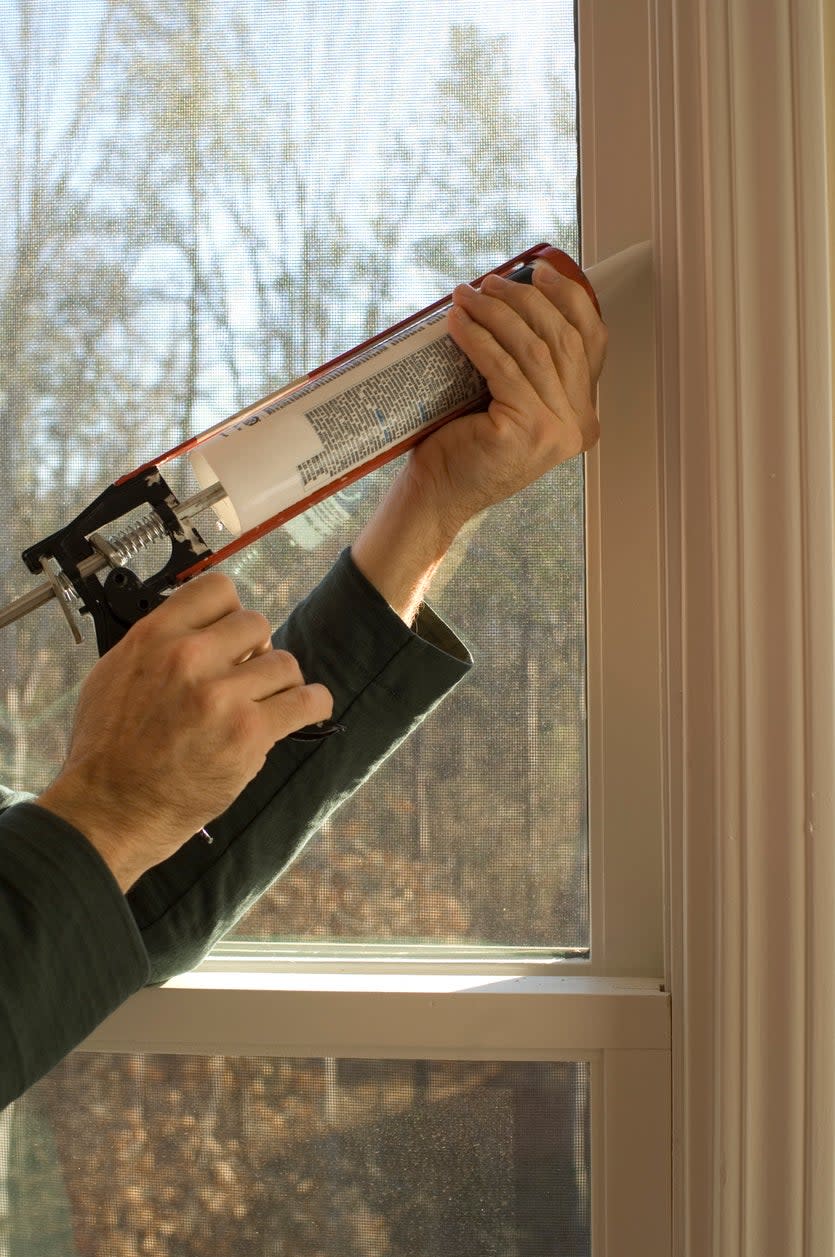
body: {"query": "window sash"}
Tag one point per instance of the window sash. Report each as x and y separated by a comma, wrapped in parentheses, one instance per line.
(620, 1026)
(623, 551)
(610, 1010)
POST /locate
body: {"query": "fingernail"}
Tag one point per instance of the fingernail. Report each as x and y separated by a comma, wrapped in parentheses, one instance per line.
(548, 273)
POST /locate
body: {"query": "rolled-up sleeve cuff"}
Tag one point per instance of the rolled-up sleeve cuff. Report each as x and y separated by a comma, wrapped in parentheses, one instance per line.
(351, 613)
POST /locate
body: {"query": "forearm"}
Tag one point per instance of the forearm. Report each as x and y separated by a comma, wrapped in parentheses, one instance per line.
(403, 544)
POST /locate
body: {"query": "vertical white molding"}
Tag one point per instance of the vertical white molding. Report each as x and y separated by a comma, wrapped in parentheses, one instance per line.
(623, 513)
(815, 78)
(742, 238)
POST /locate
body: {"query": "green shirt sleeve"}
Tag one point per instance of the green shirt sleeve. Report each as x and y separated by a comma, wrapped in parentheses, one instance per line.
(70, 951)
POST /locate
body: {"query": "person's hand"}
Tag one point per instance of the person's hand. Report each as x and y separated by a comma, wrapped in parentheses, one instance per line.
(173, 723)
(540, 348)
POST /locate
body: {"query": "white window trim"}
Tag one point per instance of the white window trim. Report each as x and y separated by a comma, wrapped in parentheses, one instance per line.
(746, 354)
(624, 591)
(613, 1011)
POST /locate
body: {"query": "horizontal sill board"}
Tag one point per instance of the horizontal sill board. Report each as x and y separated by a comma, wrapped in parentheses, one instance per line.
(406, 1016)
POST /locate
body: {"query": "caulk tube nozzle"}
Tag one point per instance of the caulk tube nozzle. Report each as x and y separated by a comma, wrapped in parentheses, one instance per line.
(616, 276)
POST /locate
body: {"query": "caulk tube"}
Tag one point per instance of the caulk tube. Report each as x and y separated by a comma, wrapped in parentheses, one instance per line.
(351, 414)
(291, 448)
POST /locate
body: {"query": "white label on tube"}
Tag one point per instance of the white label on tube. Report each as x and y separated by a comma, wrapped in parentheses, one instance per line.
(285, 450)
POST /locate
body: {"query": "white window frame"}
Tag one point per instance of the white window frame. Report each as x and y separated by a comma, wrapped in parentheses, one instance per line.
(744, 246)
(614, 1010)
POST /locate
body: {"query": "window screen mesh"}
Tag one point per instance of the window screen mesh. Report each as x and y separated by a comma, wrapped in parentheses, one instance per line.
(164, 1155)
(201, 201)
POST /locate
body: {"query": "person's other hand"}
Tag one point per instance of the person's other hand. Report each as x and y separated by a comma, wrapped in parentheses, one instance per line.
(174, 722)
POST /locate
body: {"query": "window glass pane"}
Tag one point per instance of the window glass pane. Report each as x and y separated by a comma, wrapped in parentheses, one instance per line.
(125, 1156)
(202, 201)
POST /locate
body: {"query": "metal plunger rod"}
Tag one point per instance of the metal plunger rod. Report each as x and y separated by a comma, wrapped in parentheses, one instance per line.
(42, 593)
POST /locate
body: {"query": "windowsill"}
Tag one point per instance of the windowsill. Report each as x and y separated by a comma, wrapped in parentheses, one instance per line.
(354, 1014)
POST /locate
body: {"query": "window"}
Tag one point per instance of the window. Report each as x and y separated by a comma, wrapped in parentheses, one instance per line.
(216, 226)
(347, 1157)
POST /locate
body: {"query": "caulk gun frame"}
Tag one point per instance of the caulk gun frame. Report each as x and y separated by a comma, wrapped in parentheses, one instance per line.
(518, 268)
(80, 550)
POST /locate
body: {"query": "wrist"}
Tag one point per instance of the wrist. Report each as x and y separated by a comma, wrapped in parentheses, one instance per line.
(404, 543)
(74, 803)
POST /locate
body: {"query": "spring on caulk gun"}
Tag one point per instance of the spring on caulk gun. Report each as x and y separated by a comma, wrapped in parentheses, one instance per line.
(127, 544)
(113, 552)
(119, 550)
